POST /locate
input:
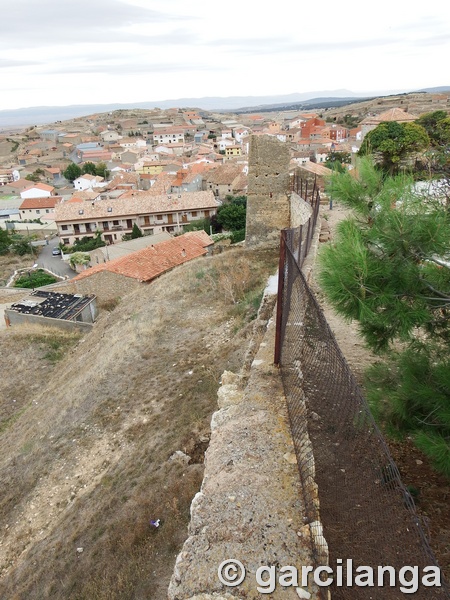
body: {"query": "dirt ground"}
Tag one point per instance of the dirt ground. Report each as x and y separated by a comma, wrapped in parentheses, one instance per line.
(433, 498)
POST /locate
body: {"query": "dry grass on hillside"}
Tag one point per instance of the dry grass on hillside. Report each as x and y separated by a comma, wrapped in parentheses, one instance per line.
(12, 262)
(85, 458)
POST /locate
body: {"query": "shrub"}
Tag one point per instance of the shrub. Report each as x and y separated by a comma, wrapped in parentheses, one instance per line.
(79, 258)
(34, 279)
(237, 236)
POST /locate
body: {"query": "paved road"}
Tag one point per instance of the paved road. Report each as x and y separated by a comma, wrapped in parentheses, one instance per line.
(52, 263)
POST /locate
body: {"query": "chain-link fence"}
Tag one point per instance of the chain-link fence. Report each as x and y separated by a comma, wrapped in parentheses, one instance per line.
(356, 504)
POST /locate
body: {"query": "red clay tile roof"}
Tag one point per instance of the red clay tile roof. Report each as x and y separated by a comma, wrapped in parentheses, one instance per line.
(49, 202)
(147, 264)
(224, 174)
(201, 235)
(393, 114)
(40, 186)
(201, 167)
(136, 202)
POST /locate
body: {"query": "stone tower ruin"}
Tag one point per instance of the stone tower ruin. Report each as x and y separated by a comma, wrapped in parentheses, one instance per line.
(268, 205)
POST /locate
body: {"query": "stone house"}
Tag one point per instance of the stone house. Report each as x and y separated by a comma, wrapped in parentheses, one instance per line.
(222, 180)
(393, 114)
(110, 136)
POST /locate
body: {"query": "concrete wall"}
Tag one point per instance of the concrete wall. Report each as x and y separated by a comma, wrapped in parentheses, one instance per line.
(15, 318)
(268, 204)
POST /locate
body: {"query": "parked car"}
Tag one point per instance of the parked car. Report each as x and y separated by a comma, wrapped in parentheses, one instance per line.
(56, 251)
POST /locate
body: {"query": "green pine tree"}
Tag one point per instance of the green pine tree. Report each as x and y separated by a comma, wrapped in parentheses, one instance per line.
(389, 269)
(136, 232)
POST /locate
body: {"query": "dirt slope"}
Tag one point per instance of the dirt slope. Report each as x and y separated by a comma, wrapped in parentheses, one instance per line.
(86, 447)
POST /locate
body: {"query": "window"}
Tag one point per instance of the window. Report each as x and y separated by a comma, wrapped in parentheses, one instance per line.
(47, 210)
(159, 217)
(66, 241)
(194, 213)
(64, 227)
(38, 211)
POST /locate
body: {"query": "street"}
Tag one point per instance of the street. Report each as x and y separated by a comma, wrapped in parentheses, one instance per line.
(54, 264)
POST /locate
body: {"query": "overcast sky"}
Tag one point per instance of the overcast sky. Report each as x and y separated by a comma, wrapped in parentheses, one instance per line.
(58, 53)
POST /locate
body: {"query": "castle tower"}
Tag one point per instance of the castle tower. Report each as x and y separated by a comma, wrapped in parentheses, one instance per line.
(268, 206)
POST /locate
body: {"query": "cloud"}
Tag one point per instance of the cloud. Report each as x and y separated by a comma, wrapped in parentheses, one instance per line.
(53, 22)
(6, 63)
(129, 68)
(283, 45)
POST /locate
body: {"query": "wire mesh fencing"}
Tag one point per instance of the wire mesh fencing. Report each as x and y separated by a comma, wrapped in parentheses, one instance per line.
(356, 505)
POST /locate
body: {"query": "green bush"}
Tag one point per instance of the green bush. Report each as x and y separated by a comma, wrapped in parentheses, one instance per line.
(34, 279)
(85, 244)
(200, 224)
(79, 258)
(237, 236)
(21, 247)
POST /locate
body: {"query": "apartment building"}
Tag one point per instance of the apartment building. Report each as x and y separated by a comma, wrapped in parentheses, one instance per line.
(114, 218)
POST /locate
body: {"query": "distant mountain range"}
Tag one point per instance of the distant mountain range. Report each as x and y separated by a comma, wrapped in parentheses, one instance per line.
(39, 115)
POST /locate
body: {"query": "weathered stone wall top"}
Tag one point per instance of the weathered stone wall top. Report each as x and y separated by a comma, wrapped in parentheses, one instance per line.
(250, 505)
(301, 211)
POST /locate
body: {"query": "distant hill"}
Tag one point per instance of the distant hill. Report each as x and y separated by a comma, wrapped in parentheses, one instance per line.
(49, 114)
(314, 103)
(436, 90)
(39, 115)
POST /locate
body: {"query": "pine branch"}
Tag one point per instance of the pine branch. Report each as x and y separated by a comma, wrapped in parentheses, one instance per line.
(434, 290)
